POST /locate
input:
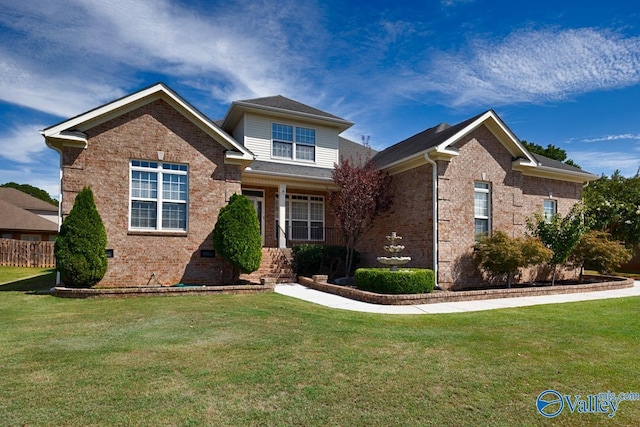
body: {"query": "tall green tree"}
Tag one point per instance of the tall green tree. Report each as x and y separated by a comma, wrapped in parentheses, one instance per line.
(551, 151)
(81, 244)
(560, 234)
(36, 192)
(236, 235)
(613, 205)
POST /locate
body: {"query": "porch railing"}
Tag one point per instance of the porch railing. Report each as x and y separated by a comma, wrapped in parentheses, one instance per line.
(314, 236)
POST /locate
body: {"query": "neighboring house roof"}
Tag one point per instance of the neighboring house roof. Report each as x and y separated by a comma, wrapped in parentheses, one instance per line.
(71, 132)
(25, 201)
(283, 107)
(354, 150)
(18, 219)
(437, 143)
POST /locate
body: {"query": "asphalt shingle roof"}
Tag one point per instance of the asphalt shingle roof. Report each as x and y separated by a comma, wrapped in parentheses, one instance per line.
(292, 170)
(283, 103)
(16, 218)
(24, 200)
(419, 142)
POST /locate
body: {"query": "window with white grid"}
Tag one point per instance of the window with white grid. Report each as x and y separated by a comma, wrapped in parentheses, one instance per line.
(482, 209)
(304, 217)
(158, 196)
(293, 142)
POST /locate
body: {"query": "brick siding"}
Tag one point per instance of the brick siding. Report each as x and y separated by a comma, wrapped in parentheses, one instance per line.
(104, 165)
(514, 197)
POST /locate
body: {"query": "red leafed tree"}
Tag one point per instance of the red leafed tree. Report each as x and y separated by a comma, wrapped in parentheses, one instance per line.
(361, 196)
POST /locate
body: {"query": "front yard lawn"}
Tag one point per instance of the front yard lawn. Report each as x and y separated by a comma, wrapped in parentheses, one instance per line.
(271, 360)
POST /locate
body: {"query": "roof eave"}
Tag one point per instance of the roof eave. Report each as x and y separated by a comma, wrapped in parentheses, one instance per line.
(64, 132)
(238, 107)
(559, 174)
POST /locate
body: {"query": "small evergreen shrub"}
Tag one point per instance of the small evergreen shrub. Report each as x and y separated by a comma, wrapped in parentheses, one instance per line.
(81, 244)
(403, 281)
(236, 235)
(320, 259)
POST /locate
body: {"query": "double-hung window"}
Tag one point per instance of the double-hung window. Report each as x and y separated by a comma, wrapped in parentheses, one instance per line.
(293, 142)
(304, 217)
(482, 209)
(549, 208)
(158, 196)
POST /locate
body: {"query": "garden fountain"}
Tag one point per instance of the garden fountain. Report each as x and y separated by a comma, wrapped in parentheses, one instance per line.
(394, 249)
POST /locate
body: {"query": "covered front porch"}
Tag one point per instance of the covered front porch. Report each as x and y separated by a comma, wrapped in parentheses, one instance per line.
(292, 208)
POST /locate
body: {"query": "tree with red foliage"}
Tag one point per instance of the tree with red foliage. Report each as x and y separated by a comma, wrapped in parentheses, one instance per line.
(361, 196)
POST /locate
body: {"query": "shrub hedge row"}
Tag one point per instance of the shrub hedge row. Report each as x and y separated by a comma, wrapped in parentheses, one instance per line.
(403, 281)
(320, 259)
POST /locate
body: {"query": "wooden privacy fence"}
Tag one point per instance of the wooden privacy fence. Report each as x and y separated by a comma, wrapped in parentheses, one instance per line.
(20, 253)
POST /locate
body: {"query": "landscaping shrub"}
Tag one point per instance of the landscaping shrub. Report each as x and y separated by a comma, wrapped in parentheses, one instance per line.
(321, 259)
(404, 281)
(502, 256)
(81, 244)
(236, 235)
(598, 252)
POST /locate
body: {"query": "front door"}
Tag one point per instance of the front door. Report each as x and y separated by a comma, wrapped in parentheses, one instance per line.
(257, 198)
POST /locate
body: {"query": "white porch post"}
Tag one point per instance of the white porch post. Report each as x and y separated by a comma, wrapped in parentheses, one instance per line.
(282, 212)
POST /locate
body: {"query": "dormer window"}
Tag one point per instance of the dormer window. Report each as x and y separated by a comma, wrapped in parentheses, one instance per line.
(293, 142)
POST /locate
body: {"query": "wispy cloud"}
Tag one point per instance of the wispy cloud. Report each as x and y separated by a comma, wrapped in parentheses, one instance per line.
(600, 162)
(22, 143)
(624, 136)
(530, 66)
(90, 50)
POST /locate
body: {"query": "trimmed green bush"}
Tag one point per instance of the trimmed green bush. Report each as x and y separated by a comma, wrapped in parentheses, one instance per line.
(403, 281)
(81, 244)
(321, 259)
(236, 235)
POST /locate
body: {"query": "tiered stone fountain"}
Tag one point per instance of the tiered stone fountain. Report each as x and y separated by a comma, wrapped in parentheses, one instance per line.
(394, 249)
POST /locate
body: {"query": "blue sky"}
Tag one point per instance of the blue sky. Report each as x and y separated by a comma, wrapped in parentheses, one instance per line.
(562, 73)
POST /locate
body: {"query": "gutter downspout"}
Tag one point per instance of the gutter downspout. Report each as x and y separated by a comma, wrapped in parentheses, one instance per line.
(434, 181)
(59, 151)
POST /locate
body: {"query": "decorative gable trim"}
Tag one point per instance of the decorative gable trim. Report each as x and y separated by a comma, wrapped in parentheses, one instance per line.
(70, 133)
(499, 129)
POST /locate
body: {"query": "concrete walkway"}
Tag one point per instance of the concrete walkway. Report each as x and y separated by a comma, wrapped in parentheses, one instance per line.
(334, 301)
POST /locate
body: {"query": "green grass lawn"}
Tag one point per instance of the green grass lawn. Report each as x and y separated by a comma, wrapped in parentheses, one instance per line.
(270, 360)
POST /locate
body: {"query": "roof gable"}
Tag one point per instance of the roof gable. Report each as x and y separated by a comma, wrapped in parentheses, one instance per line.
(437, 143)
(71, 132)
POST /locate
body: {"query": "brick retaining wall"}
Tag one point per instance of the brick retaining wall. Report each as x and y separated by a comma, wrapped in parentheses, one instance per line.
(320, 284)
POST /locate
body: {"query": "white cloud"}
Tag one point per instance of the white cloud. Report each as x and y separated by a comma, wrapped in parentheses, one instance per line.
(84, 52)
(624, 136)
(22, 143)
(605, 162)
(531, 66)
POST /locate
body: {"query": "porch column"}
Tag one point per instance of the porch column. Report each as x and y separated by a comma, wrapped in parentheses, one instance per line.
(282, 213)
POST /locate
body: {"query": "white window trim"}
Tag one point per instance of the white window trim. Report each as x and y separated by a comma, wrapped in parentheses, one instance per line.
(289, 225)
(160, 199)
(294, 143)
(555, 208)
(489, 210)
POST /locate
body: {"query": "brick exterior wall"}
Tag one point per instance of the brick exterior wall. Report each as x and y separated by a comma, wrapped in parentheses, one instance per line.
(410, 216)
(514, 197)
(104, 165)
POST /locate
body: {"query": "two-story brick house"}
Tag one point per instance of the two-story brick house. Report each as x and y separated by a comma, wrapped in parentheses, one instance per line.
(160, 171)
